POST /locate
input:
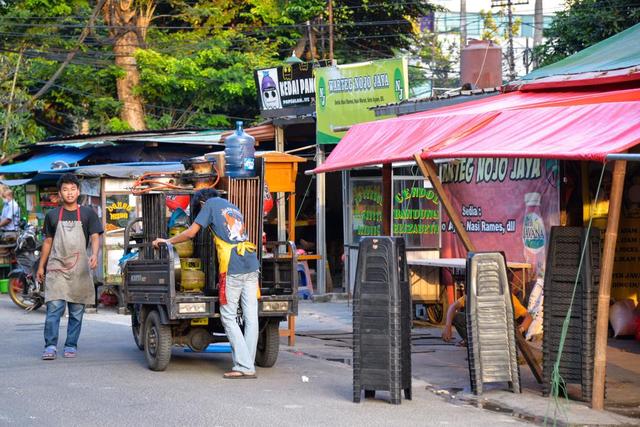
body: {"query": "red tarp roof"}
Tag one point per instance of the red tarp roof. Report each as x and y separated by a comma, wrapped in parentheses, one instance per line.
(567, 125)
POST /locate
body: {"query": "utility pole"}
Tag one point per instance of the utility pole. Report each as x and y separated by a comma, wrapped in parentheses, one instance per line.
(331, 30)
(510, 56)
(538, 24)
(463, 24)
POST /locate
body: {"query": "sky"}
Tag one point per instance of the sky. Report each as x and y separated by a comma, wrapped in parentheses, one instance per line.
(548, 6)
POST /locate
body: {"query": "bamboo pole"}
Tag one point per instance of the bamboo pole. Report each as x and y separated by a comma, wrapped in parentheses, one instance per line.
(606, 273)
(430, 171)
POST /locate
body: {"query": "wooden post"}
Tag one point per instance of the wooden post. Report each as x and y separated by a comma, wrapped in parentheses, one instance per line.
(386, 199)
(606, 273)
(430, 171)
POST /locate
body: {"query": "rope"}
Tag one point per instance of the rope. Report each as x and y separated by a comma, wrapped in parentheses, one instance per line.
(556, 379)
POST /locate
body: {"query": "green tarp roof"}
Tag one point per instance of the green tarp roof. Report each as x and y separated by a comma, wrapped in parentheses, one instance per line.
(616, 52)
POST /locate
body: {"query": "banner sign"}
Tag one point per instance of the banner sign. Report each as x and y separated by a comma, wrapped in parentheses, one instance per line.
(118, 211)
(288, 89)
(626, 267)
(504, 204)
(345, 93)
(416, 213)
(366, 208)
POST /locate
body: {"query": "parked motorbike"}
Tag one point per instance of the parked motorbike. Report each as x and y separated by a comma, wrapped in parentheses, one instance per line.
(24, 289)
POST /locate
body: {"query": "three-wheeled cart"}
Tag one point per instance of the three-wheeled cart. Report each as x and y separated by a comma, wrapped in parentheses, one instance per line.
(164, 315)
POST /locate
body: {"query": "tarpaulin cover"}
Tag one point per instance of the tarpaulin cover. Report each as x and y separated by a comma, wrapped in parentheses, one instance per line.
(43, 161)
(621, 51)
(586, 125)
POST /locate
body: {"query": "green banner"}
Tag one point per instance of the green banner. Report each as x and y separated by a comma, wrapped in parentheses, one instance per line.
(345, 93)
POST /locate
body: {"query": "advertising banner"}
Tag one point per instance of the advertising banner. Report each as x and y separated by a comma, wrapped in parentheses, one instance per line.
(366, 208)
(504, 204)
(345, 93)
(118, 211)
(626, 269)
(416, 213)
(288, 89)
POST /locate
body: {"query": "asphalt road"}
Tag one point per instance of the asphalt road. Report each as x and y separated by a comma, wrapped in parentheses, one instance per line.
(109, 384)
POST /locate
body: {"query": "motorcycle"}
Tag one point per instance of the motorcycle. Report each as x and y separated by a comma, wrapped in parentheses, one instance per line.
(24, 289)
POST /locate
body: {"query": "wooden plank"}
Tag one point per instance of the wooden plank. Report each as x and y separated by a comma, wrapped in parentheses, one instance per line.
(529, 357)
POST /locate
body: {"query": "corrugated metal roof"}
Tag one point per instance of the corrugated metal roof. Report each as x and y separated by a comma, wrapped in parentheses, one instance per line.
(189, 137)
(426, 104)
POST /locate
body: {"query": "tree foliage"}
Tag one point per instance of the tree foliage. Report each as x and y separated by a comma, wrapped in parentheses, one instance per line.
(584, 23)
(195, 63)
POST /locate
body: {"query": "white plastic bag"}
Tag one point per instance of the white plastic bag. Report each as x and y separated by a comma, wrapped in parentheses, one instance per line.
(536, 309)
(622, 318)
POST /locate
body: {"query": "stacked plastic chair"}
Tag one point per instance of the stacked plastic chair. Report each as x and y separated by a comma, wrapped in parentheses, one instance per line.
(491, 343)
(563, 259)
(382, 320)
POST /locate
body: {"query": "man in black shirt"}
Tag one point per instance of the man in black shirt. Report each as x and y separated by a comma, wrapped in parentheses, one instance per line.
(68, 279)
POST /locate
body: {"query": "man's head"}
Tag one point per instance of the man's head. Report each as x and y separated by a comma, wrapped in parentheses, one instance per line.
(200, 197)
(7, 194)
(69, 188)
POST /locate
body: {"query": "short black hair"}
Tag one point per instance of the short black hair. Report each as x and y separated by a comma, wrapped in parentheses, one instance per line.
(202, 196)
(68, 178)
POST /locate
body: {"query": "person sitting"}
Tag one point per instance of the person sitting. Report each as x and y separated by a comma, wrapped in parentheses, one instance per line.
(456, 317)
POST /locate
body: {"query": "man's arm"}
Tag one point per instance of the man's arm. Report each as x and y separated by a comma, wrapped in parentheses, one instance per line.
(451, 312)
(44, 256)
(95, 248)
(4, 222)
(187, 234)
(524, 326)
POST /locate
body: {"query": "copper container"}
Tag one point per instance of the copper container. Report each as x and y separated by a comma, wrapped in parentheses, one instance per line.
(203, 182)
(202, 167)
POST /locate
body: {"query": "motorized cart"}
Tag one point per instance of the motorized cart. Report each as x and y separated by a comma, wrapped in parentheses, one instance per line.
(169, 308)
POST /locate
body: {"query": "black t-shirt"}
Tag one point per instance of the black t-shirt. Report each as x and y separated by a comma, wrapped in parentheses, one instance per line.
(90, 222)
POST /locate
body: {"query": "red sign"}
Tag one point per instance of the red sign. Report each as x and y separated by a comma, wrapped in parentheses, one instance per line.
(505, 205)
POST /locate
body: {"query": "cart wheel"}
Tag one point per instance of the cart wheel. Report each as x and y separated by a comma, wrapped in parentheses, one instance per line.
(268, 345)
(157, 342)
(136, 329)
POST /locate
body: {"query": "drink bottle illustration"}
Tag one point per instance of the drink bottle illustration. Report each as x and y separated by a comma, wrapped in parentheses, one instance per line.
(534, 234)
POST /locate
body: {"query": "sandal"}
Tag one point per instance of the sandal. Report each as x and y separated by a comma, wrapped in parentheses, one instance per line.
(49, 353)
(70, 352)
(237, 375)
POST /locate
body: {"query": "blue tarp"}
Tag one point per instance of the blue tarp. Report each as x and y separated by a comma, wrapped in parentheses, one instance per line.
(42, 162)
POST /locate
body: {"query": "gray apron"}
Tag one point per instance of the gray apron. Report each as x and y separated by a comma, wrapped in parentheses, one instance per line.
(68, 276)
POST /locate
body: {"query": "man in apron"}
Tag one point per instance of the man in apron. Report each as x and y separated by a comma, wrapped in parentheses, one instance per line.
(68, 278)
(238, 275)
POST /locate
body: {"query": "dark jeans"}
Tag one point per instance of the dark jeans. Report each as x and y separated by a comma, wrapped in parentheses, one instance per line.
(460, 323)
(55, 310)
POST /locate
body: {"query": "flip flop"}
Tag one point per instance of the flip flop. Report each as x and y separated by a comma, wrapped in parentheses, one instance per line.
(237, 375)
(49, 353)
(70, 352)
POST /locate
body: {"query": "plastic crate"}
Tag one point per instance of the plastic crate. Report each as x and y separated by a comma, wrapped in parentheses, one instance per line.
(563, 260)
(491, 343)
(382, 320)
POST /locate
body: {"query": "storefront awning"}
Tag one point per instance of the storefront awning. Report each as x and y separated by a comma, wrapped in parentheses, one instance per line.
(45, 161)
(578, 125)
(613, 60)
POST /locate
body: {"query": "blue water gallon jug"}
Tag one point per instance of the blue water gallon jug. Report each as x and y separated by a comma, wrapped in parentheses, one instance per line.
(239, 154)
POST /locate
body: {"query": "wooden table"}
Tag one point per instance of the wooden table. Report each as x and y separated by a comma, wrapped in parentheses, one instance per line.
(461, 264)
